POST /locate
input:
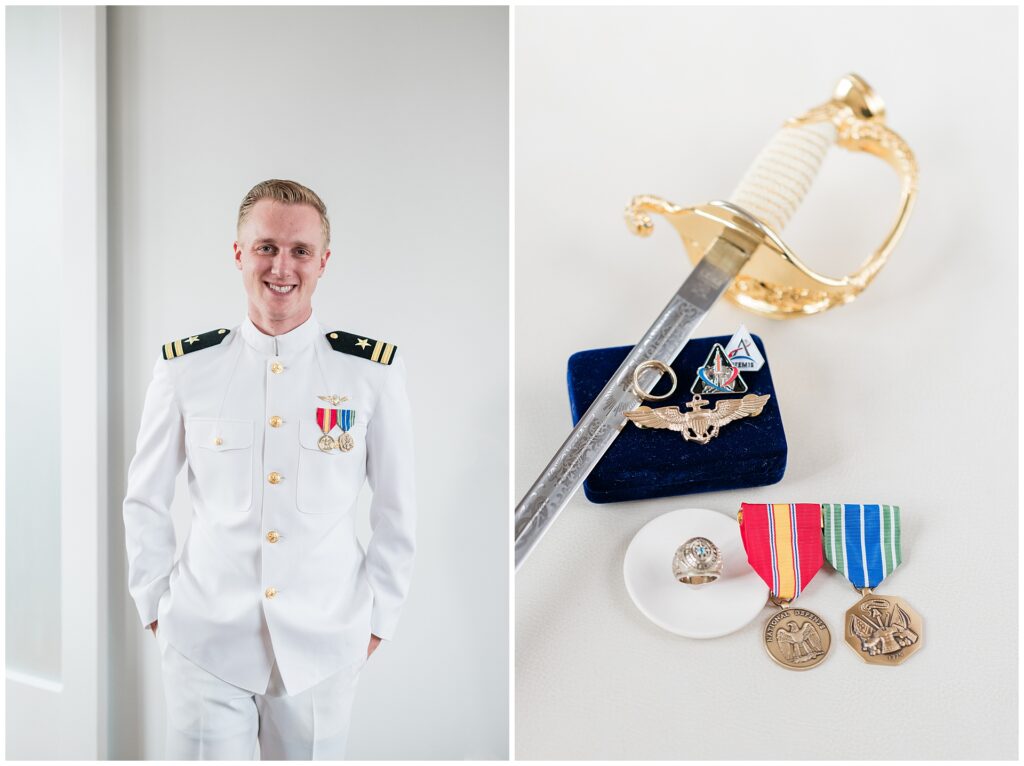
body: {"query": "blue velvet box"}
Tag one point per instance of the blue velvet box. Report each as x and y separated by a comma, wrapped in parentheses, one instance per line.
(645, 463)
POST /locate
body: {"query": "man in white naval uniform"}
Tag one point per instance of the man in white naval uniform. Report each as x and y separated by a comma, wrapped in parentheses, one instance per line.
(273, 607)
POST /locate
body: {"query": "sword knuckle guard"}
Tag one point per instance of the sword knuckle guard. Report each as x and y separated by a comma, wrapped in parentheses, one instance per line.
(775, 282)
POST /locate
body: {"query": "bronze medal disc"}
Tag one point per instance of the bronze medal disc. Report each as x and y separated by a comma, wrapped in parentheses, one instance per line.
(326, 443)
(346, 442)
(883, 630)
(797, 639)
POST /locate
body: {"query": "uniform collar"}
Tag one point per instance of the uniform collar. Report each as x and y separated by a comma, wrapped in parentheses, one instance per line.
(281, 345)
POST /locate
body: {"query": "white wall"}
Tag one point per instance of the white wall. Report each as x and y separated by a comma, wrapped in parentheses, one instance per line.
(398, 118)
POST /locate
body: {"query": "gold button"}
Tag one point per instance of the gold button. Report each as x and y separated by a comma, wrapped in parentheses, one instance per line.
(273, 536)
(334, 336)
(270, 592)
(221, 332)
(218, 441)
(276, 367)
(274, 478)
(275, 421)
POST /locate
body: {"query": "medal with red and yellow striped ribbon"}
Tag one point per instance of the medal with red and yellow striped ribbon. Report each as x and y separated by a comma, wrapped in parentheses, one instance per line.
(783, 544)
(327, 419)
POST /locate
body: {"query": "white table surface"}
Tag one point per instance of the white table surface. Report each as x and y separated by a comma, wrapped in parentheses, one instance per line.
(907, 396)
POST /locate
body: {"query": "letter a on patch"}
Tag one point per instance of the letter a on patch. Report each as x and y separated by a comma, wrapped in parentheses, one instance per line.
(743, 352)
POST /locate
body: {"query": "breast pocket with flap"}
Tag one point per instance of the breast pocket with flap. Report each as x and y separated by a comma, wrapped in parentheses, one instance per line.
(220, 456)
(329, 482)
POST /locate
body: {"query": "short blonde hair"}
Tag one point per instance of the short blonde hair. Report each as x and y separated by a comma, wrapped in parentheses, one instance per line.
(289, 192)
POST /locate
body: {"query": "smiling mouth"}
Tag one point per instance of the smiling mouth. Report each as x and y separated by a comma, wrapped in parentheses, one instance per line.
(280, 289)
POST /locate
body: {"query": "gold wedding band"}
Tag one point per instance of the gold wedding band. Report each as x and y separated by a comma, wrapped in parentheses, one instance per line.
(653, 364)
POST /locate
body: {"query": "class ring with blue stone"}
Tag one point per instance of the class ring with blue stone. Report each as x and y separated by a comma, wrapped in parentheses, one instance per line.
(697, 562)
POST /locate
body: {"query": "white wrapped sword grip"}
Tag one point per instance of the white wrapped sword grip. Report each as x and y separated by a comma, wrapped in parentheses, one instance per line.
(781, 175)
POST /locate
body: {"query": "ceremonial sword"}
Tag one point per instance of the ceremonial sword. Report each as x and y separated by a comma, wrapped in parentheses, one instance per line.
(728, 235)
(601, 423)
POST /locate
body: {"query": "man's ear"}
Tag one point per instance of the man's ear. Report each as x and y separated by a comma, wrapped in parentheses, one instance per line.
(238, 255)
(323, 263)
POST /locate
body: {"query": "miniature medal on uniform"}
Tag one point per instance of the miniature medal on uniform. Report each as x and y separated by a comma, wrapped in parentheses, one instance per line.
(346, 418)
(327, 418)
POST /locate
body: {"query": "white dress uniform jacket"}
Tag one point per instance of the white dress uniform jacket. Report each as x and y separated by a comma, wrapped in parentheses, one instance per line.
(273, 523)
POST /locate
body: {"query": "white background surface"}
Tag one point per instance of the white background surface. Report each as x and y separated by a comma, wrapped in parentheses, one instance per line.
(905, 396)
(398, 119)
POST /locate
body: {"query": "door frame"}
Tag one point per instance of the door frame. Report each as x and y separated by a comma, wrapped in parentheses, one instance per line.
(68, 719)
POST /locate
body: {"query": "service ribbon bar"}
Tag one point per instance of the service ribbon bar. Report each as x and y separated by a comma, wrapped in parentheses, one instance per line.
(783, 543)
(327, 418)
(348, 419)
(862, 541)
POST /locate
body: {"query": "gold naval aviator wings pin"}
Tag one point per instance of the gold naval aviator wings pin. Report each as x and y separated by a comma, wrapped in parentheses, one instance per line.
(332, 399)
(700, 425)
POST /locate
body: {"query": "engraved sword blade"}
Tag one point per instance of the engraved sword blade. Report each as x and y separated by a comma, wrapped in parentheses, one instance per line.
(601, 423)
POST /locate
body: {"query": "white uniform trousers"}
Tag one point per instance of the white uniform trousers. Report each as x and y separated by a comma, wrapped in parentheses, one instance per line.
(210, 719)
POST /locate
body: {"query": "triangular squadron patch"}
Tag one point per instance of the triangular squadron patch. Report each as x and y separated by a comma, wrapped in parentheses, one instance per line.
(718, 375)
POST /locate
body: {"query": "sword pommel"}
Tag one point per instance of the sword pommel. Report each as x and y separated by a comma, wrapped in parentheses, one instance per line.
(853, 91)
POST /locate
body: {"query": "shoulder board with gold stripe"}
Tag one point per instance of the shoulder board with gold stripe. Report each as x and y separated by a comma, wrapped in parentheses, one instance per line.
(368, 348)
(176, 348)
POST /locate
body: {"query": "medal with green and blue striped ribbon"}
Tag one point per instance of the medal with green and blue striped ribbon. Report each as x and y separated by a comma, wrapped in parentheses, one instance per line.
(862, 542)
(346, 419)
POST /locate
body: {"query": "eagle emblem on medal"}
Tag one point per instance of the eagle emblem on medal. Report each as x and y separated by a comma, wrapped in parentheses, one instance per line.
(797, 639)
(800, 644)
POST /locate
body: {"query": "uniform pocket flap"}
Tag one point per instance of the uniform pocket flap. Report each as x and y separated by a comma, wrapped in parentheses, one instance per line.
(219, 435)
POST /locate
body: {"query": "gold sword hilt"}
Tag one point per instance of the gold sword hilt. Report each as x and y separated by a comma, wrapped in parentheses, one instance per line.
(776, 282)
